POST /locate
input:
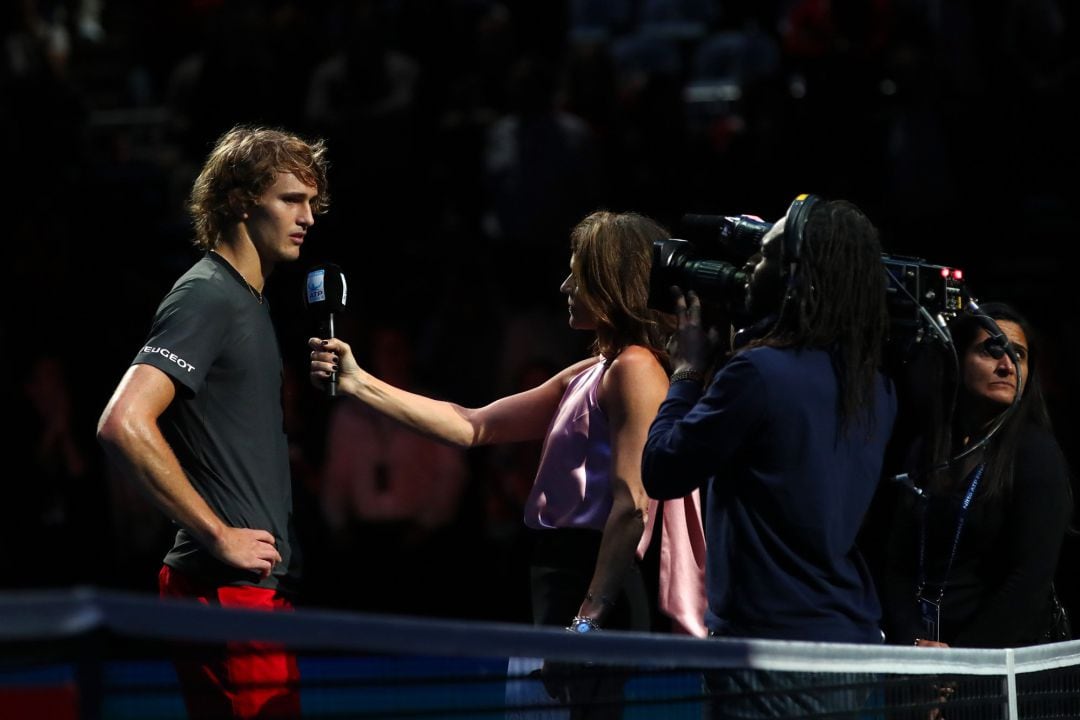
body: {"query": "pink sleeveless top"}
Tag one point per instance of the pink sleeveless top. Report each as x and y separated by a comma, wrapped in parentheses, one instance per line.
(573, 485)
(573, 489)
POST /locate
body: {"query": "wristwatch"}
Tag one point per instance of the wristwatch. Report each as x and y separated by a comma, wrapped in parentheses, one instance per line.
(582, 625)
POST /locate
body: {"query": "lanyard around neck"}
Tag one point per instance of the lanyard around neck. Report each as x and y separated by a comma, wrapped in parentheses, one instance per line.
(961, 517)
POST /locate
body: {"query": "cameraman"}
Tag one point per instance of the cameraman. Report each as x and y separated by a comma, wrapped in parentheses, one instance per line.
(789, 438)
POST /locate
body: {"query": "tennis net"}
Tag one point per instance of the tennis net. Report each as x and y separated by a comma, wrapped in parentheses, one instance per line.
(91, 654)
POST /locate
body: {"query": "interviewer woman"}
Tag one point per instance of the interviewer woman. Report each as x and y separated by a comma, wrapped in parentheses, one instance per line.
(587, 507)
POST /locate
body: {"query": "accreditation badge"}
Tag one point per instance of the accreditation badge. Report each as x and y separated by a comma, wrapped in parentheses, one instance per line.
(930, 613)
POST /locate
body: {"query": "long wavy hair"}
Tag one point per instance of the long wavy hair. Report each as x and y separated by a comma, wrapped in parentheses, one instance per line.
(245, 162)
(835, 301)
(613, 255)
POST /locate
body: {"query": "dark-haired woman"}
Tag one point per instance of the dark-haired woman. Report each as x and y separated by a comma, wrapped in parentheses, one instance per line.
(972, 564)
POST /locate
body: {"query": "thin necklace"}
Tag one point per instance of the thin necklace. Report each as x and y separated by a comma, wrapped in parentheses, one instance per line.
(258, 295)
(251, 288)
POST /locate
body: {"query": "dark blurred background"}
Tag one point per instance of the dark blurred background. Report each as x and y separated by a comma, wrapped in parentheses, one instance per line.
(467, 137)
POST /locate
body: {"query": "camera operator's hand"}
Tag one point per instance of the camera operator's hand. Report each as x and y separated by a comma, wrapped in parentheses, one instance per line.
(690, 347)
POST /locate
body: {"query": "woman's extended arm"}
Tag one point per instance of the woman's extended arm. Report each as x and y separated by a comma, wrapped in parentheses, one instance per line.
(523, 416)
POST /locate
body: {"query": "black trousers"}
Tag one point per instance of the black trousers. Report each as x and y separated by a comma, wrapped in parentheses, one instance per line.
(563, 563)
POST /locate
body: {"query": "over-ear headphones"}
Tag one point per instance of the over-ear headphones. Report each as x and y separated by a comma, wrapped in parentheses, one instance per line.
(795, 226)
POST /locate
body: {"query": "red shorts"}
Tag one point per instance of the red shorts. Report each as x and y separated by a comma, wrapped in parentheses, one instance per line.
(241, 679)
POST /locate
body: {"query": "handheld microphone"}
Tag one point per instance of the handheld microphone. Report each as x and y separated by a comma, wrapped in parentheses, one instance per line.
(325, 294)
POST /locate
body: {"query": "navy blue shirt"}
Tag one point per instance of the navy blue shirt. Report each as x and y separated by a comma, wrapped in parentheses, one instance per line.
(787, 491)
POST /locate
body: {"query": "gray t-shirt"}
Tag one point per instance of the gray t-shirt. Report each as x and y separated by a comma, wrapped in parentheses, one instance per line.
(215, 339)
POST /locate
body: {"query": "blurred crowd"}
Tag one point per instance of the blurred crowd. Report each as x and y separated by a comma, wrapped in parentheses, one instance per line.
(466, 138)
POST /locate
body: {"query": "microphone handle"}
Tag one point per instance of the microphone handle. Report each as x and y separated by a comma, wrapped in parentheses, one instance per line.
(331, 386)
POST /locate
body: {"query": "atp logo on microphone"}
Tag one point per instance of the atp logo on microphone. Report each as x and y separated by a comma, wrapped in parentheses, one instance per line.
(324, 290)
(316, 286)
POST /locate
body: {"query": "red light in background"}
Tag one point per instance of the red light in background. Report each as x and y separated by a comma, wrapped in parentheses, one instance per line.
(945, 272)
(958, 274)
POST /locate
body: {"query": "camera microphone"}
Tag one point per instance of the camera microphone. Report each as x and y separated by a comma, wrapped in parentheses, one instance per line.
(325, 294)
(740, 234)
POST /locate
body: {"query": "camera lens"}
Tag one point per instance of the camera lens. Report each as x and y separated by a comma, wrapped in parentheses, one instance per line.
(675, 263)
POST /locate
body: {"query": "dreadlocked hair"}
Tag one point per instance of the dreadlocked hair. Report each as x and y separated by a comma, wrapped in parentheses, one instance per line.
(836, 302)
